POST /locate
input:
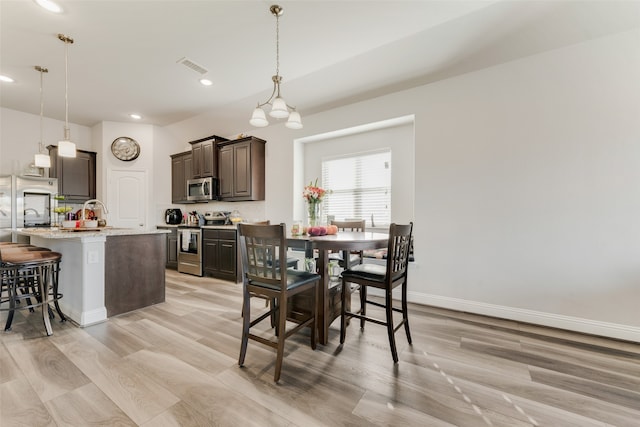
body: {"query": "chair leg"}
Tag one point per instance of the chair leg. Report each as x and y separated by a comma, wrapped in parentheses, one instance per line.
(405, 311)
(43, 282)
(56, 276)
(282, 319)
(314, 313)
(11, 282)
(363, 304)
(343, 310)
(390, 332)
(246, 321)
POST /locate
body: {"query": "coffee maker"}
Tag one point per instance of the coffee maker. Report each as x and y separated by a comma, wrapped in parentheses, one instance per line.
(173, 216)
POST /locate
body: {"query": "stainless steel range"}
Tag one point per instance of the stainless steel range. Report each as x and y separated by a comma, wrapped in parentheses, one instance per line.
(190, 250)
(190, 242)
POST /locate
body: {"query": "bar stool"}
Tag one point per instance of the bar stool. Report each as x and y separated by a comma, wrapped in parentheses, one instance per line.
(30, 272)
(12, 248)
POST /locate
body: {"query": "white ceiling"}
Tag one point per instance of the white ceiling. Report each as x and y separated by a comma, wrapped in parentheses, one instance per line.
(125, 54)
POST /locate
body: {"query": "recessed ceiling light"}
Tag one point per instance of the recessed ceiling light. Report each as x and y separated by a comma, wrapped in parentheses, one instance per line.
(6, 79)
(49, 5)
(206, 82)
(135, 116)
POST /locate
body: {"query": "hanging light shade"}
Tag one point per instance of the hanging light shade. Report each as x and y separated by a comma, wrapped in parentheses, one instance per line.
(41, 160)
(279, 108)
(258, 118)
(66, 148)
(294, 121)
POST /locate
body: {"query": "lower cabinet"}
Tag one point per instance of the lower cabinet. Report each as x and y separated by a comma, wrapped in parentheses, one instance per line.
(220, 254)
(172, 247)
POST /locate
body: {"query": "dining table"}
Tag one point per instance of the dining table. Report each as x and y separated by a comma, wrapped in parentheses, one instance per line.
(328, 306)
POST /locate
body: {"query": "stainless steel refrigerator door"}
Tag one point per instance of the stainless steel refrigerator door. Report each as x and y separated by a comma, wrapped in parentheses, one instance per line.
(6, 213)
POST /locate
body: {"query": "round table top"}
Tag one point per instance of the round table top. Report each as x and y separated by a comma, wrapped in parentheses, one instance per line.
(345, 240)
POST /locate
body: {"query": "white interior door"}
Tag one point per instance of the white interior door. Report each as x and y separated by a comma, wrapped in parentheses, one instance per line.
(127, 198)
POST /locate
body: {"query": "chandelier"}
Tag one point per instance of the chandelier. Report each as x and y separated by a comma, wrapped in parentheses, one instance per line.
(41, 160)
(66, 148)
(279, 108)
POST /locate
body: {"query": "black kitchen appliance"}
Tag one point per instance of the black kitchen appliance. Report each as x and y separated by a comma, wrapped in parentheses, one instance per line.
(173, 216)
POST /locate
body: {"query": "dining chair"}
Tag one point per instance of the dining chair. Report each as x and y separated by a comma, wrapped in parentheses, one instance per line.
(354, 257)
(386, 277)
(292, 262)
(263, 249)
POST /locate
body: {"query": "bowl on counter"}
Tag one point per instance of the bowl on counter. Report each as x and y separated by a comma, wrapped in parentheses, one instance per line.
(70, 224)
(90, 223)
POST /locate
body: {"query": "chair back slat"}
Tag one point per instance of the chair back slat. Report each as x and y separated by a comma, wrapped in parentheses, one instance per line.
(263, 250)
(351, 225)
(398, 250)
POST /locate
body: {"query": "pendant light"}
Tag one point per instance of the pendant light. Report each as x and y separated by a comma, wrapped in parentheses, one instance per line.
(41, 160)
(66, 148)
(279, 108)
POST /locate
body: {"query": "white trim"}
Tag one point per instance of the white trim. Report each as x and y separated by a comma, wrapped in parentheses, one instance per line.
(369, 127)
(594, 327)
(93, 316)
(85, 318)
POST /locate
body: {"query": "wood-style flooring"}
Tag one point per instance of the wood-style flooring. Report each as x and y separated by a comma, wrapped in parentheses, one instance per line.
(175, 364)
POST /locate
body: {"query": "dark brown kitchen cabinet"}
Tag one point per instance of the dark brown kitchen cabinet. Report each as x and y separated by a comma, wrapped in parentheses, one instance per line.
(76, 175)
(172, 246)
(181, 170)
(220, 254)
(204, 156)
(241, 165)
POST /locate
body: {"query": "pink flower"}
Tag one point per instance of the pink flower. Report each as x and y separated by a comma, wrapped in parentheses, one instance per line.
(312, 193)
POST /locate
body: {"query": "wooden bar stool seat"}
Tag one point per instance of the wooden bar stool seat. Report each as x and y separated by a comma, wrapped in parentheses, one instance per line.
(26, 274)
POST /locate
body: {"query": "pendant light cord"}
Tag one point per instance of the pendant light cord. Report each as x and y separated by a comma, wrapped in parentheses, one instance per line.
(42, 70)
(277, 45)
(41, 109)
(67, 40)
(66, 90)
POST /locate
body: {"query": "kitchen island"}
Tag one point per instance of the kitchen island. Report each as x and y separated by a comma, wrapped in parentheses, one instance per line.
(105, 272)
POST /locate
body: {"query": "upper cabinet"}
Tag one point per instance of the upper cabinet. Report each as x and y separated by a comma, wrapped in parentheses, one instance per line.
(241, 169)
(181, 171)
(204, 156)
(76, 176)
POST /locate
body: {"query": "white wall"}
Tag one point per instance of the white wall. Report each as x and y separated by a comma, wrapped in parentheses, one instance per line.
(526, 194)
(20, 133)
(526, 202)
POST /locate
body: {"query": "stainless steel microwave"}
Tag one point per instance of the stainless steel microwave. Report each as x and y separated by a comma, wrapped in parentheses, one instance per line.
(202, 189)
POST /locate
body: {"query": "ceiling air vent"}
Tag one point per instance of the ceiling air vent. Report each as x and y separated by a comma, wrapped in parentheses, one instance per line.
(193, 66)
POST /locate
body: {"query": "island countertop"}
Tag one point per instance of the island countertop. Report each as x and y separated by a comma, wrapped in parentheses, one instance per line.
(104, 272)
(57, 233)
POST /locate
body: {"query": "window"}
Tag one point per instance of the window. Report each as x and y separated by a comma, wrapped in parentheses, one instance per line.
(360, 187)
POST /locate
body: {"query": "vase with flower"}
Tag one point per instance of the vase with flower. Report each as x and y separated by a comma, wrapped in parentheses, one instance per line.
(314, 195)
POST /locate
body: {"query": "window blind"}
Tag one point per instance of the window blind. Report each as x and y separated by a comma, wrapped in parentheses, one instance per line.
(360, 187)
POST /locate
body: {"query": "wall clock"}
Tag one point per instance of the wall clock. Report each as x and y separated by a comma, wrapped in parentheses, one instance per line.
(125, 148)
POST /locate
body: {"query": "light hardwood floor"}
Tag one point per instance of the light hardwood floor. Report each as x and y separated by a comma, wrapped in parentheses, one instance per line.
(176, 364)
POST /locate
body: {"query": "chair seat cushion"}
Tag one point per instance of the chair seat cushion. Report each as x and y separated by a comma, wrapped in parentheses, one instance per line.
(295, 278)
(371, 272)
(337, 256)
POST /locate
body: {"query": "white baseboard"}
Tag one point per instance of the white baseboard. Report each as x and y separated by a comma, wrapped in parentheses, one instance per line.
(85, 318)
(594, 327)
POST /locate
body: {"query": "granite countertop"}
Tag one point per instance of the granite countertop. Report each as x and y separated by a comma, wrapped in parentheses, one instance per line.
(56, 233)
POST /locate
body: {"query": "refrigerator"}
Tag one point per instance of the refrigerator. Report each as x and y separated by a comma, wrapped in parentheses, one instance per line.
(26, 201)
(6, 209)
